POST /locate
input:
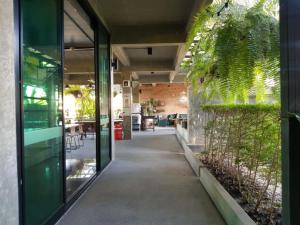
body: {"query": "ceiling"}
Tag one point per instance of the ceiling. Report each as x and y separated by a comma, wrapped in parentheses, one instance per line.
(140, 54)
(77, 30)
(79, 45)
(73, 35)
(136, 25)
(145, 12)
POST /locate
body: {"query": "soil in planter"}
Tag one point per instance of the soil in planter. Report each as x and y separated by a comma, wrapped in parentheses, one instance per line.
(264, 215)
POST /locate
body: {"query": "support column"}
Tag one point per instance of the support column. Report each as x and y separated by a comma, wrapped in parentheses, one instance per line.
(136, 93)
(9, 212)
(127, 103)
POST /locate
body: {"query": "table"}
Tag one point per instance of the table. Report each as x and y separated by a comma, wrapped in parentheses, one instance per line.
(148, 122)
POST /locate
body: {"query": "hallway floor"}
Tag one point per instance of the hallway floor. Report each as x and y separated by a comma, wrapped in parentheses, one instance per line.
(149, 183)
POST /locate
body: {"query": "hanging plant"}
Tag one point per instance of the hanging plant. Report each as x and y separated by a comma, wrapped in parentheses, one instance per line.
(236, 53)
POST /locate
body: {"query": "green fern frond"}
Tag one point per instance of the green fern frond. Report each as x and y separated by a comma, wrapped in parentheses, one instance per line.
(232, 50)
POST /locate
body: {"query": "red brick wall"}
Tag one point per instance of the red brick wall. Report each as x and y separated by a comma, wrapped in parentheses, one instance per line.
(168, 95)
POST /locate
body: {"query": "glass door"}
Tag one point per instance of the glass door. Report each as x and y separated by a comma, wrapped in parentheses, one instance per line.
(104, 96)
(79, 100)
(41, 73)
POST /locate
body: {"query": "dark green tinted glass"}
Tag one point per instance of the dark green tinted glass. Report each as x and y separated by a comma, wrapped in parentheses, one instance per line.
(104, 96)
(42, 108)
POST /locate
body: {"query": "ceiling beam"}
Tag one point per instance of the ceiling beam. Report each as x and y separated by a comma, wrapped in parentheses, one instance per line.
(182, 48)
(179, 79)
(198, 5)
(98, 9)
(142, 45)
(77, 79)
(150, 79)
(121, 55)
(172, 76)
(79, 73)
(74, 11)
(181, 51)
(149, 66)
(135, 76)
(79, 65)
(148, 34)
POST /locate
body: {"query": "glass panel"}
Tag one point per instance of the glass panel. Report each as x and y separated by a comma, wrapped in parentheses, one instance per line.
(79, 104)
(42, 105)
(104, 96)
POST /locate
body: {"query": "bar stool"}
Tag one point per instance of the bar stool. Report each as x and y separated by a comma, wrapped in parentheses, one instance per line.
(81, 135)
(72, 139)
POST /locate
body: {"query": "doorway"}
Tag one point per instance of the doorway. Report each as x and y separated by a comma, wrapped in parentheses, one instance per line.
(79, 100)
(64, 82)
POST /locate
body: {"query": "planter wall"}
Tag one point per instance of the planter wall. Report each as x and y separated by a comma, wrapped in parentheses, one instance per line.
(188, 153)
(231, 211)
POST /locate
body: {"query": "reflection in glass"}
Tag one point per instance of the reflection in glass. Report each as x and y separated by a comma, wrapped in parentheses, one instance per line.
(42, 109)
(104, 96)
(79, 105)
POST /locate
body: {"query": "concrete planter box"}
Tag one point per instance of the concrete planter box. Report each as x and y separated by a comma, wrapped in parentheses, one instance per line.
(231, 211)
(189, 155)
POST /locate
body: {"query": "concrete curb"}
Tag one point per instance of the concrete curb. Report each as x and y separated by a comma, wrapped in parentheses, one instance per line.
(231, 211)
(189, 155)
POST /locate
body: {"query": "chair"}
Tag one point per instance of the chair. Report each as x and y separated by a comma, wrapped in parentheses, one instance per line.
(72, 139)
(162, 122)
(172, 119)
(136, 121)
(81, 134)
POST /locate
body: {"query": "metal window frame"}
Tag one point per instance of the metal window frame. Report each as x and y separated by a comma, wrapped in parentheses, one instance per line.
(290, 107)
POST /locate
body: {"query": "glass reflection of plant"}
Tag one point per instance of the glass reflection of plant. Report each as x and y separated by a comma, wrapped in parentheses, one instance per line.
(40, 89)
(85, 101)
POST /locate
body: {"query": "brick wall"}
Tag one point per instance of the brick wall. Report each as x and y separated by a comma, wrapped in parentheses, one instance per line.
(168, 95)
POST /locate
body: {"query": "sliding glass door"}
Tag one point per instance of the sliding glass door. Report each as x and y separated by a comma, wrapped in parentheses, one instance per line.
(104, 96)
(79, 101)
(41, 73)
(59, 160)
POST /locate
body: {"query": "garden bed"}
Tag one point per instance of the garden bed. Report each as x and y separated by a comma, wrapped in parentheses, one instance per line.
(243, 152)
(231, 211)
(263, 216)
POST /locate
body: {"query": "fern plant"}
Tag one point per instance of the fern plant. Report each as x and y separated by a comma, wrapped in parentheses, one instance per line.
(235, 53)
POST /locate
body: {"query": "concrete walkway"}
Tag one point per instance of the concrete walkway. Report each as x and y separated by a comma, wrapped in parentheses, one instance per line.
(149, 183)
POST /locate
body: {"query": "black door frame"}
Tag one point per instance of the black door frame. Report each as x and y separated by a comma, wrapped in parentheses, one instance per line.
(290, 103)
(95, 21)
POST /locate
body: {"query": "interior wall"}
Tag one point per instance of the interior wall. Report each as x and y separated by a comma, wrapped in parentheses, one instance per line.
(9, 210)
(169, 96)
